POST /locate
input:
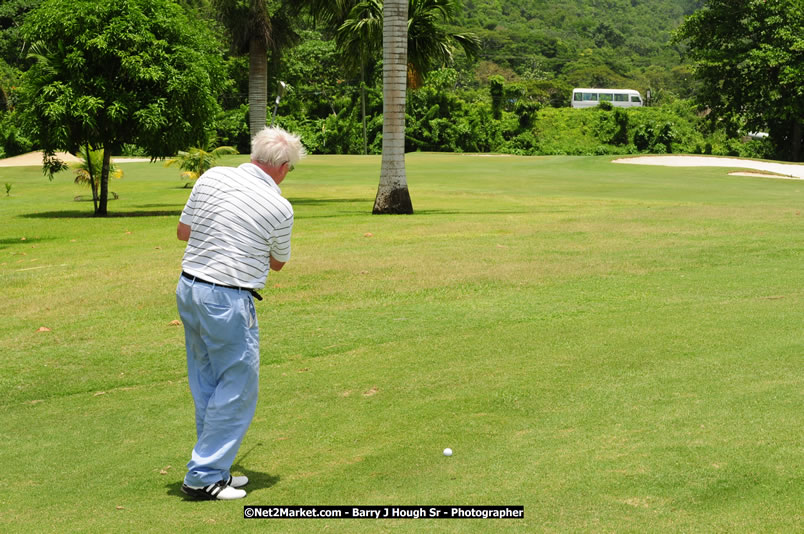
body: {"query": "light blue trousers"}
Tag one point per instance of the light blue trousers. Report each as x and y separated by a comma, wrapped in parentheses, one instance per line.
(223, 360)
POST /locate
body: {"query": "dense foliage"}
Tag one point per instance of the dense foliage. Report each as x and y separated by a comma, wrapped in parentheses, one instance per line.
(511, 96)
(440, 119)
(750, 56)
(107, 72)
(593, 43)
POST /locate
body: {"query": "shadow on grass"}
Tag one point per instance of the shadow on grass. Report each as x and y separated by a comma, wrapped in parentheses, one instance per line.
(5, 242)
(176, 212)
(174, 205)
(73, 214)
(470, 212)
(301, 201)
(416, 213)
(174, 490)
(256, 481)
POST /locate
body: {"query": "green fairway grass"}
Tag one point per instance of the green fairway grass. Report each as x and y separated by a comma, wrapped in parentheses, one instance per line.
(616, 348)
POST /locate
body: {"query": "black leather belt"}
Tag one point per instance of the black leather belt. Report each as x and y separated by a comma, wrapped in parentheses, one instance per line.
(196, 279)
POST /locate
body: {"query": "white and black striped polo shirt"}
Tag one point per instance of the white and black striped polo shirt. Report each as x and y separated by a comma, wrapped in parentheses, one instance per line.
(238, 220)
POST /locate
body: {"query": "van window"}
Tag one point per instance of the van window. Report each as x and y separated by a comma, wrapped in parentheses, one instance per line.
(590, 96)
(606, 97)
(577, 97)
(633, 99)
(620, 98)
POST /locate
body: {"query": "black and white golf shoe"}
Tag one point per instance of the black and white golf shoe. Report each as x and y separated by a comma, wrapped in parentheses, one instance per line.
(220, 491)
(237, 482)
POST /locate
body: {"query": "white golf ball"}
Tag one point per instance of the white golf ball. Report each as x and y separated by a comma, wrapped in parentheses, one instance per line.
(447, 452)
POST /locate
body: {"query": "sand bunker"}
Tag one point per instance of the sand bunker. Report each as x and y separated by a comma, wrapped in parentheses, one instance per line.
(779, 170)
(35, 159)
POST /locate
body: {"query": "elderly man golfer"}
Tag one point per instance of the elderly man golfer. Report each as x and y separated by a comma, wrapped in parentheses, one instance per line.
(237, 226)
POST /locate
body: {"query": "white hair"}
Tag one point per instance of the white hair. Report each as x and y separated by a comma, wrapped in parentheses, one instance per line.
(275, 146)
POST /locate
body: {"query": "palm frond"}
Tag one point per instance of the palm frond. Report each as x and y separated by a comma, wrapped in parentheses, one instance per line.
(431, 42)
(360, 35)
(196, 161)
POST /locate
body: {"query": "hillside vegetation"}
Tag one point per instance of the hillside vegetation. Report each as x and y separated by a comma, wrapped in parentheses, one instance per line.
(599, 43)
(532, 53)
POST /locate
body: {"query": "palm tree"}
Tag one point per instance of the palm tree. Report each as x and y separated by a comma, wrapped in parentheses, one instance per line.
(392, 193)
(249, 26)
(88, 171)
(331, 12)
(255, 31)
(359, 38)
(414, 41)
(430, 42)
(196, 161)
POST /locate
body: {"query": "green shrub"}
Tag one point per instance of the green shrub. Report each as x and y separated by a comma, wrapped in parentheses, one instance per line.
(524, 144)
(526, 111)
(655, 137)
(497, 91)
(12, 141)
(231, 129)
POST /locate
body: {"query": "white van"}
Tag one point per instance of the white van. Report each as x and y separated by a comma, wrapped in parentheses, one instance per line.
(621, 98)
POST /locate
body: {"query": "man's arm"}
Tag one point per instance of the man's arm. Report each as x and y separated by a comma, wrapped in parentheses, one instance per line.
(183, 232)
(276, 265)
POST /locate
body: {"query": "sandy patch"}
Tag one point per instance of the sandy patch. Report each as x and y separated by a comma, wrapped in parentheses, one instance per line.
(762, 175)
(779, 170)
(125, 159)
(35, 159)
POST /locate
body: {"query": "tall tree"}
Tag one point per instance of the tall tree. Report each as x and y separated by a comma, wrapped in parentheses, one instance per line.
(749, 55)
(259, 28)
(12, 16)
(331, 12)
(431, 42)
(359, 38)
(107, 73)
(392, 193)
(250, 29)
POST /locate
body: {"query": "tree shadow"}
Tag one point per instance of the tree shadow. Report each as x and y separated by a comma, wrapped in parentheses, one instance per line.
(174, 205)
(416, 213)
(302, 201)
(5, 242)
(468, 212)
(337, 215)
(74, 214)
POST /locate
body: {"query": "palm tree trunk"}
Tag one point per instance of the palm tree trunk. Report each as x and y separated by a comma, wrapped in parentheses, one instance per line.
(257, 86)
(392, 193)
(363, 101)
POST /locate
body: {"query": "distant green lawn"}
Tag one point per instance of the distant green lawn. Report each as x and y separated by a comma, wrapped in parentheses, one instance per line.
(617, 348)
